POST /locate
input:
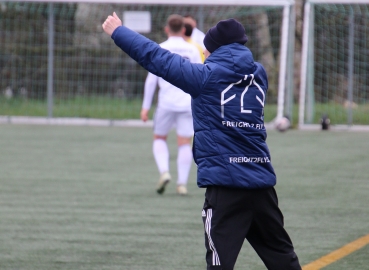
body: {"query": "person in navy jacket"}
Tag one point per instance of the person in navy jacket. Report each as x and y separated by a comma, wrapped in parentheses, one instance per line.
(233, 161)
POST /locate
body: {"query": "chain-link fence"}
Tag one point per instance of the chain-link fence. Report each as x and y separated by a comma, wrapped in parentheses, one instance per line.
(91, 77)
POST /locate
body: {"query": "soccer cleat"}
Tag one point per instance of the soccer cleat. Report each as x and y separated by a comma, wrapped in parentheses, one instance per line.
(163, 181)
(181, 190)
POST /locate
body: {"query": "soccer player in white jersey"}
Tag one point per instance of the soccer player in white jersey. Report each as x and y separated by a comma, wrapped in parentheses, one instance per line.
(173, 110)
(197, 35)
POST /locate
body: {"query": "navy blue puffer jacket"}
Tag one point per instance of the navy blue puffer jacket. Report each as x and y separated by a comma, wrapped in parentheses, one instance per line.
(228, 96)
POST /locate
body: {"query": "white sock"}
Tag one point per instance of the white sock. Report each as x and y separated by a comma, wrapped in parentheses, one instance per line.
(161, 155)
(184, 162)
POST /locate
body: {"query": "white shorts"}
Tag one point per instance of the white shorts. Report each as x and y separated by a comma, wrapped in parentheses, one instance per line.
(165, 120)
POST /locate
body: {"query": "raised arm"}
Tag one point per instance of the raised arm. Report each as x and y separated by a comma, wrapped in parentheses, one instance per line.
(172, 67)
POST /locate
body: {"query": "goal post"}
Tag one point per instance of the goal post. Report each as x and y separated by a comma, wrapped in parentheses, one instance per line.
(334, 64)
(61, 60)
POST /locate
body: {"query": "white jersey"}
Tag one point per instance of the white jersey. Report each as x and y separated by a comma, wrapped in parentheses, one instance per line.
(170, 97)
(198, 36)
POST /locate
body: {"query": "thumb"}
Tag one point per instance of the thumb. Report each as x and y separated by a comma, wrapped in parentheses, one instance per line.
(115, 15)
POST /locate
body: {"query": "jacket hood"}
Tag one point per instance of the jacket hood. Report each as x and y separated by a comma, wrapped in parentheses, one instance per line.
(235, 57)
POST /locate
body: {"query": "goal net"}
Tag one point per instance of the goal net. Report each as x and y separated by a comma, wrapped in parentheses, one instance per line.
(56, 62)
(335, 63)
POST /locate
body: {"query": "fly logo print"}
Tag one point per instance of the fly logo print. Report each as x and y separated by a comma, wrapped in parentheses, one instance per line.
(249, 160)
(243, 108)
(242, 125)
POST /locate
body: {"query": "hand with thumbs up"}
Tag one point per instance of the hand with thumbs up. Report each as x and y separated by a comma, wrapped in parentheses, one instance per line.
(111, 23)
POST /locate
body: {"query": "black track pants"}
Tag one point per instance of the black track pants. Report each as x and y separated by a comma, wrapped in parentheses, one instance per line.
(232, 215)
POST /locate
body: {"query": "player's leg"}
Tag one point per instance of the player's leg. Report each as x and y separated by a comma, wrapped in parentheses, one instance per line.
(268, 236)
(227, 219)
(184, 126)
(163, 122)
(161, 155)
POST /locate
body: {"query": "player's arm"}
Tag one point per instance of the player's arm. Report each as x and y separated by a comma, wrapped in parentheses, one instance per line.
(171, 67)
(149, 91)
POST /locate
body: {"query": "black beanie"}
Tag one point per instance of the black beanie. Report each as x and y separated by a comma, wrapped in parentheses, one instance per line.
(225, 32)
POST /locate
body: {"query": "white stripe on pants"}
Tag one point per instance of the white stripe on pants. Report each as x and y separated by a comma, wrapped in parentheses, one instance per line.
(209, 214)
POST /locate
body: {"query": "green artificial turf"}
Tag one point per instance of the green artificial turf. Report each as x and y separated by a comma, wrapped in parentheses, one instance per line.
(84, 198)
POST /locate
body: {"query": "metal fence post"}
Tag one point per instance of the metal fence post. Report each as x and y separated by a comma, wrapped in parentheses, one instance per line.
(50, 63)
(350, 67)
